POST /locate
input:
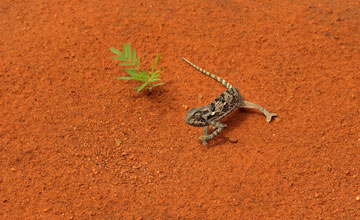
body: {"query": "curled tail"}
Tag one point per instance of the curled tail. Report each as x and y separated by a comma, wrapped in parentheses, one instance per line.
(220, 80)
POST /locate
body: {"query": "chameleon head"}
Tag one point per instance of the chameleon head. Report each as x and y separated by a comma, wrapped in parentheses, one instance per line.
(198, 117)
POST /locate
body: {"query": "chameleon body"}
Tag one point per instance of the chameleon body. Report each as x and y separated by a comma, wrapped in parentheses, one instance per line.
(222, 106)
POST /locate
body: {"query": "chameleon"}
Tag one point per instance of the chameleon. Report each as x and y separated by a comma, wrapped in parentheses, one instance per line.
(222, 106)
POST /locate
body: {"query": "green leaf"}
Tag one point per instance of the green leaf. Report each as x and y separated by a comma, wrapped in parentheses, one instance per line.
(143, 73)
(157, 59)
(152, 68)
(142, 76)
(142, 86)
(129, 53)
(119, 53)
(125, 64)
(131, 71)
(155, 75)
(124, 77)
(134, 57)
(126, 52)
(153, 80)
(138, 63)
(137, 76)
(156, 72)
(117, 58)
(155, 85)
(116, 51)
(139, 79)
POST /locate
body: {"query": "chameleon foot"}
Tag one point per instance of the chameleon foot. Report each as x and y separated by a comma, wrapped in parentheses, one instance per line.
(269, 117)
(204, 139)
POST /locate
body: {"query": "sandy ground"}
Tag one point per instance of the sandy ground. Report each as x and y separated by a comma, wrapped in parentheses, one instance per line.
(77, 143)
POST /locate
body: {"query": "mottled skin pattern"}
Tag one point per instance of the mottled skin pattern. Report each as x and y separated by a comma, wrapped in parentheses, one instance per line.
(223, 105)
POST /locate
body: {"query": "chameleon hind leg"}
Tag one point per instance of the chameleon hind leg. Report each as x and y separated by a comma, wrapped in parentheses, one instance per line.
(247, 104)
(206, 137)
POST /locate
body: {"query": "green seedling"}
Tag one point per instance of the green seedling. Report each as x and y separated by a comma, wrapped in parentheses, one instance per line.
(128, 58)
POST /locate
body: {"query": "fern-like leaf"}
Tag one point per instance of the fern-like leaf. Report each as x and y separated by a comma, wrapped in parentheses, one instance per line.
(128, 58)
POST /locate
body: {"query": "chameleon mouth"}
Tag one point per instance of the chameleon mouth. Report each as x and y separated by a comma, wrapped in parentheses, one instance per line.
(192, 120)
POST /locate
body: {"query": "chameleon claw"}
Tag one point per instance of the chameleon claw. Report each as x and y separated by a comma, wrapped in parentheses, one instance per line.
(269, 117)
(203, 140)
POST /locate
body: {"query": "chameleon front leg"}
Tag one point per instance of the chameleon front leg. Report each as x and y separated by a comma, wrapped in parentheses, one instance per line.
(247, 104)
(219, 127)
(206, 132)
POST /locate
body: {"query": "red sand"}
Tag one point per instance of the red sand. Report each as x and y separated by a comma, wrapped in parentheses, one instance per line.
(63, 110)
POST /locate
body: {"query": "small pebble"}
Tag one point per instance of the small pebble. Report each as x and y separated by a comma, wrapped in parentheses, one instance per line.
(186, 107)
(358, 198)
(233, 140)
